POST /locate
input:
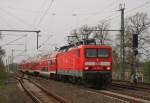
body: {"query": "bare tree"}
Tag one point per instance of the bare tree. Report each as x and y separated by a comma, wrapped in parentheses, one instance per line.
(74, 32)
(75, 37)
(2, 53)
(80, 34)
(136, 24)
(139, 24)
(83, 34)
(102, 35)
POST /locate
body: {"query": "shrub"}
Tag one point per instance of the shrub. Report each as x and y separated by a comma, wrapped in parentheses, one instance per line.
(146, 71)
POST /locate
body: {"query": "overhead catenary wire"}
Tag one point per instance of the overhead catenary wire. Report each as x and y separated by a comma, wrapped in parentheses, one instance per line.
(99, 12)
(21, 54)
(42, 5)
(5, 22)
(140, 6)
(13, 40)
(131, 10)
(17, 18)
(45, 41)
(24, 10)
(44, 14)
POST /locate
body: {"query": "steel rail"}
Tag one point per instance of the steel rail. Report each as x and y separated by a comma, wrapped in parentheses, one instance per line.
(56, 97)
(116, 95)
(127, 84)
(31, 95)
(62, 100)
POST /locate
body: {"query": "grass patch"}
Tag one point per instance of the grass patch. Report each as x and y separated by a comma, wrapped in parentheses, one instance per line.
(3, 78)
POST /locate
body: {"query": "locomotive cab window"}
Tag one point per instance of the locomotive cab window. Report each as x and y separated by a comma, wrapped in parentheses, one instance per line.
(90, 52)
(103, 53)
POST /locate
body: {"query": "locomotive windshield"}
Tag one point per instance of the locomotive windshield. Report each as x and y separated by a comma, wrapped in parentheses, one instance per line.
(101, 52)
(91, 52)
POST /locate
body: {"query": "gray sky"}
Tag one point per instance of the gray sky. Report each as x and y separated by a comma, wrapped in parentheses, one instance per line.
(58, 21)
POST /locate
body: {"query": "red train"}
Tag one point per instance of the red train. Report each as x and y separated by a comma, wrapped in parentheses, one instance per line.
(89, 64)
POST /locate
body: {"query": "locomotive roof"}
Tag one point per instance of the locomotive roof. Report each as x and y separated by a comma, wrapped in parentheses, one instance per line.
(78, 44)
(84, 42)
(66, 48)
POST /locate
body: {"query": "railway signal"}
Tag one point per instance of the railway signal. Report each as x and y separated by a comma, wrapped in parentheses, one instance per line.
(135, 41)
(135, 44)
(135, 53)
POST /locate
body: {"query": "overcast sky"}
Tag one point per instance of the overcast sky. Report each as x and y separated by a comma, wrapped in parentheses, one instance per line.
(56, 19)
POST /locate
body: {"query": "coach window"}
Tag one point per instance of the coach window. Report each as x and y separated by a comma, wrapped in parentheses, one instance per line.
(41, 69)
(53, 61)
(44, 69)
(49, 63)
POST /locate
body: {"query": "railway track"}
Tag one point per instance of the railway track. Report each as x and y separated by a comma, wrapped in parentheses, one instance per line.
(134, 90)
(127, 91)
(127, 84)
(38, 93)
(119, 96)
(122, 93)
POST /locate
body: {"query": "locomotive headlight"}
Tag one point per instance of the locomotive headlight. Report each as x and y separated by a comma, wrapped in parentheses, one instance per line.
(105, 63)
(86, 68)
(108, 68)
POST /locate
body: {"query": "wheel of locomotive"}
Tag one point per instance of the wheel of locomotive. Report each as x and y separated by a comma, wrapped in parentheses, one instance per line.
(108, 82)
(65, 78)
(84, 82)
(103, 83)
(74, 80)
(79, 81)
(99, 84)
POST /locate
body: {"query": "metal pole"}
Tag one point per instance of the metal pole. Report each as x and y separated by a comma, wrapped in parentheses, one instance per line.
(26, 43)
(122, 48)
(12, 59)
(6, 65)
(37, 40)
(9, 59)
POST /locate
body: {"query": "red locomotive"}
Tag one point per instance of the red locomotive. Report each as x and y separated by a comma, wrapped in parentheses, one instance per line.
(89, 64)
